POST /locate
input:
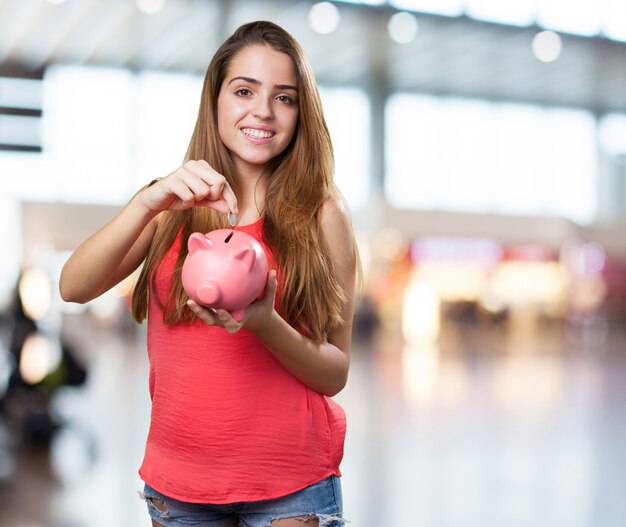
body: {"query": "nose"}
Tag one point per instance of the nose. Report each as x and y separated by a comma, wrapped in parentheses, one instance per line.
(263, 108)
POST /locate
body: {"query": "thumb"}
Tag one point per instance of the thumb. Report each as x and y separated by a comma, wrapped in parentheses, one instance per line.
(272, 282)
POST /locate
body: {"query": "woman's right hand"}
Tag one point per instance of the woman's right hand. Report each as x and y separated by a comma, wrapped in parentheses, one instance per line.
(195, 183)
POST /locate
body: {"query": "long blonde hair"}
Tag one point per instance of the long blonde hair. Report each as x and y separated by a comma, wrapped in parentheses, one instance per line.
(301, 181)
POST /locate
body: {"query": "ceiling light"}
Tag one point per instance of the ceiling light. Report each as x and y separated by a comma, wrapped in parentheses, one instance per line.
(38, 357)
(150, 6)
(402, 27)
(35, 293)
(547, 46)
(56, 2)
(365, 2)
(324, 17)
(436, 7)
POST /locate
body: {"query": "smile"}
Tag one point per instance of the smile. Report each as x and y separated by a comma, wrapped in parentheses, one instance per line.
(257, 134)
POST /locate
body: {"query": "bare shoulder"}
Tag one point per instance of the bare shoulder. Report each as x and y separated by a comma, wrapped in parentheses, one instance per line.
(336, 225)
(335, 214)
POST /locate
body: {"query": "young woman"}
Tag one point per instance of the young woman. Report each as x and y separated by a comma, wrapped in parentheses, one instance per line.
(243, 430)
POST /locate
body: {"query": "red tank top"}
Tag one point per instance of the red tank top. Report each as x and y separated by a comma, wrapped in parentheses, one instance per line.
(229, 423)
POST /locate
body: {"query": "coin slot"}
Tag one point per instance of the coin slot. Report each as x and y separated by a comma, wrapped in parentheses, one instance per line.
(229, 237)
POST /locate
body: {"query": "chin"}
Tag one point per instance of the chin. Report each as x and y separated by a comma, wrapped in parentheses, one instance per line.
(260, 160)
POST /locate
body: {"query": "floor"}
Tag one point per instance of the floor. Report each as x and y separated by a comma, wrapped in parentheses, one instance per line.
(494, 425)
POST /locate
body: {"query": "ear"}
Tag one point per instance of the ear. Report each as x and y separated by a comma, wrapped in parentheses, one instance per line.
(247, 256)
(198, 242)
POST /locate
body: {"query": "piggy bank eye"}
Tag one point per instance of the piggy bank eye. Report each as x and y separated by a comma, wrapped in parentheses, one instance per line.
(198, 242)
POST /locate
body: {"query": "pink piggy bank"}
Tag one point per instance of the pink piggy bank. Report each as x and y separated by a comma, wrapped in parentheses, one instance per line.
(224, 269)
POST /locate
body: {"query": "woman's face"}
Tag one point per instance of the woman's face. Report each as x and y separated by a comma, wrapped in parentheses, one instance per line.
(257, 107)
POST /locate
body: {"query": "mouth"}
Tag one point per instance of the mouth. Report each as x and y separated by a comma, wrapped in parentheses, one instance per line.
(255, 133)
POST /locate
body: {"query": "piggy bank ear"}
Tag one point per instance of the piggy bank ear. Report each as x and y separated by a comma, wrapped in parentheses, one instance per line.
(198, 242)
(247, 256)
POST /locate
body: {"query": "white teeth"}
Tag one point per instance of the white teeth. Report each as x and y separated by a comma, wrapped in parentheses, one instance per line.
(257, 134)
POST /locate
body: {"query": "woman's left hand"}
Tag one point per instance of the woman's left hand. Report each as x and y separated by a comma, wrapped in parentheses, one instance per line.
(255, 315)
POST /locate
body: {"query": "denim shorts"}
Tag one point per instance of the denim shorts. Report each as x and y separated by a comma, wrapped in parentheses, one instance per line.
(322, 500)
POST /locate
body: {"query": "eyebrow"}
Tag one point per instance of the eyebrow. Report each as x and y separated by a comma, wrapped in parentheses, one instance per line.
(255, 81)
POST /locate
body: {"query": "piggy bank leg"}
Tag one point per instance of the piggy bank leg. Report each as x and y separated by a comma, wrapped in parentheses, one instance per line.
(238, 314)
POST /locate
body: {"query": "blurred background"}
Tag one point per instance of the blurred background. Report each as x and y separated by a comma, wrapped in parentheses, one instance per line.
(481, 146)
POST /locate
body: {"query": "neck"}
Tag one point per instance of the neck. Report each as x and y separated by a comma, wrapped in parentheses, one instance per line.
(252, 187)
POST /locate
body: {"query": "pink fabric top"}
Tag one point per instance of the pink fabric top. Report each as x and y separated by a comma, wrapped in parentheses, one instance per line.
(229, 423)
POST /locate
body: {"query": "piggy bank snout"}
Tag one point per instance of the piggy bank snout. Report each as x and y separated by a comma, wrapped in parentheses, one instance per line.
(209, 292)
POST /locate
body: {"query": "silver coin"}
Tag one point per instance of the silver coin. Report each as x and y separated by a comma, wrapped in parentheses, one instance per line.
(232, 219)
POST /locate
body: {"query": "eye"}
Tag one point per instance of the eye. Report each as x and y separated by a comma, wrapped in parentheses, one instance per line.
(286, 99)
(243, 92)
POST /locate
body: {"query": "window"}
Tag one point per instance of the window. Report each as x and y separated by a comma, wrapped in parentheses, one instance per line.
(347, 114)
(475, 156)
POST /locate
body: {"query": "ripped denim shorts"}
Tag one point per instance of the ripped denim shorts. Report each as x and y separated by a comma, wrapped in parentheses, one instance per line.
(321, 501)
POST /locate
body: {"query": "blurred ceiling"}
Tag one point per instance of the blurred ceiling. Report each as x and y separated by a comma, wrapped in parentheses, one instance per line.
(450, 56)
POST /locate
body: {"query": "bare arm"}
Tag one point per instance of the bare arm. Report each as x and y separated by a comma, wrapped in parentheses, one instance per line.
(323, 367)
(109, 255)
(118, 248)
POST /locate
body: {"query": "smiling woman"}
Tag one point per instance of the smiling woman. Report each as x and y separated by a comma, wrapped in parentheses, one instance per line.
(242, 416)
(257, 107)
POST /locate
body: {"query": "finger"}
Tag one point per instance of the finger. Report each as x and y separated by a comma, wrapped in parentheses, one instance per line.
(221, 198)
(200, 188)
(229, 323)
(217, 183)
(223, 315)
(219, 189)
(207, 316)
(219, 205)
(216, 188)
(205, 183)
(182, 191)
(202, 170)
(231, 199)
